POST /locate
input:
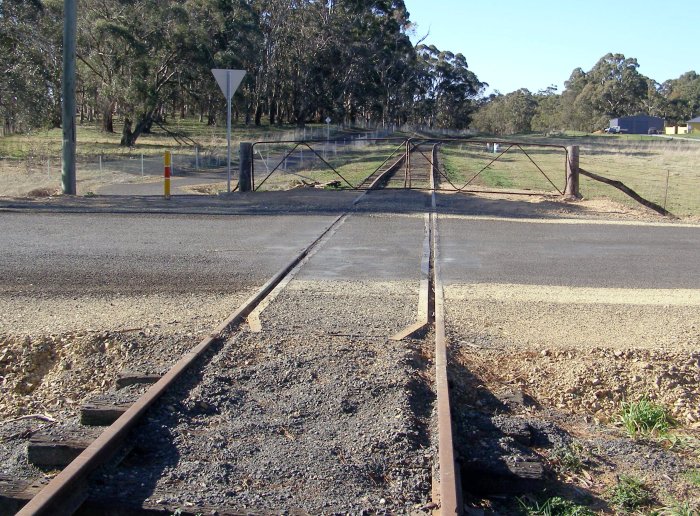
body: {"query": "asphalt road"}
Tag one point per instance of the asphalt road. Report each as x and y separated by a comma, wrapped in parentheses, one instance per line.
(131, 253)
(577, 254)
(80, 253)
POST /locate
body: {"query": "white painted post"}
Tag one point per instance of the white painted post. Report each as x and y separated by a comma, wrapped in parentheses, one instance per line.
(101, 164)
(142, 164)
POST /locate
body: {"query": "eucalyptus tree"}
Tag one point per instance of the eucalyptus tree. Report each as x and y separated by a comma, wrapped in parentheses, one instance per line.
(30, 63)
(683, 97)
(618, 85)
(612, 88)
(447, 88)
(548, 114)
(507, 114)
(141, 55)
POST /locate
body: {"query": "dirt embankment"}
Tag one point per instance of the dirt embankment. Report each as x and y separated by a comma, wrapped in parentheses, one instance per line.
(54, 352)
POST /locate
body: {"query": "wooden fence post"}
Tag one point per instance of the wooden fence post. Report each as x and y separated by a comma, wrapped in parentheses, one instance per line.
(572, 173)
(245, 176)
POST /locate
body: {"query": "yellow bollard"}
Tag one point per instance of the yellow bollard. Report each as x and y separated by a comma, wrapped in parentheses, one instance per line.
(166, 176)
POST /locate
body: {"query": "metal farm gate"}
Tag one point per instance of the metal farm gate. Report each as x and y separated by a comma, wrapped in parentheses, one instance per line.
(457, 165)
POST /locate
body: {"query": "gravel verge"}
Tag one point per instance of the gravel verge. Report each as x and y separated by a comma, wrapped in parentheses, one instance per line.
(571, 365)
(56, 353)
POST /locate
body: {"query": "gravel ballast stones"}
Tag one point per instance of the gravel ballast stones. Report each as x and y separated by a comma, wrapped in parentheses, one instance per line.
(332, 425)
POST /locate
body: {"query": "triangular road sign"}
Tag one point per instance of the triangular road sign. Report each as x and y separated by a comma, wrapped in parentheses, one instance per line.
(228, 80)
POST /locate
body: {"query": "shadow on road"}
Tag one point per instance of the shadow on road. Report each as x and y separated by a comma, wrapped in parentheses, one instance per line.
(301, 201)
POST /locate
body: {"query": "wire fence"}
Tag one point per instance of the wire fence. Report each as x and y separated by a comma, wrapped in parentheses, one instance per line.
(665, 172)
(200, 169)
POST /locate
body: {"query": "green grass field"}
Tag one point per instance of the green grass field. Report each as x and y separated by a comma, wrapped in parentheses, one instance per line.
(643, 163)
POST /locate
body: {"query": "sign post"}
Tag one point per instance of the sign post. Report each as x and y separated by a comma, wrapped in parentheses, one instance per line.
(229, 81)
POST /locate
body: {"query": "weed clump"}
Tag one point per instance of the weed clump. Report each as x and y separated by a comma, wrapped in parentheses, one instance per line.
(630, 494)
(693, 477)
(569, 459)
(555, 506)
(644, 418)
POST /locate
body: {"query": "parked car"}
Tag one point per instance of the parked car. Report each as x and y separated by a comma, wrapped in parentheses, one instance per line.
(615, 129)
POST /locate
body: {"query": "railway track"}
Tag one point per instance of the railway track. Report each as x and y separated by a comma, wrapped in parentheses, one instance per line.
(252, 420)
(412, 169)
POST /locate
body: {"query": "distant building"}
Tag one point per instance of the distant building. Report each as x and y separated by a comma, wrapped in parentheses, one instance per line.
(694, 125)
(677, 129)
(638, 124)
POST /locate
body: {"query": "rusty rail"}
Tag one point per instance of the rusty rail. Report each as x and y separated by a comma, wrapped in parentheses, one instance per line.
(449, 483)
(68, 490)
(308, 144)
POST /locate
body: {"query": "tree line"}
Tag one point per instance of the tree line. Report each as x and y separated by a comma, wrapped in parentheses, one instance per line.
(611, 89)
(146, 61)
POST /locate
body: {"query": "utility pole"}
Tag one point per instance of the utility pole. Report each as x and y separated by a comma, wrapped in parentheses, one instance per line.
(70, 17)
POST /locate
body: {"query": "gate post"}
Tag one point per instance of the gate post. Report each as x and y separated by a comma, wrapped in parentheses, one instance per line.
(245, 168)
(572, 174)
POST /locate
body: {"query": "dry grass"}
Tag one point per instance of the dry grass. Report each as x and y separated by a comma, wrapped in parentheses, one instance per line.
(38, 179)
(91, 141)
(642, 163)
(30, 164)
(645, 167)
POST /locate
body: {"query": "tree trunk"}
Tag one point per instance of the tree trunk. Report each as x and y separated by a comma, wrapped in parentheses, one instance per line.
(128, 137)
(108, 119)
(273, 112)
(258, 114)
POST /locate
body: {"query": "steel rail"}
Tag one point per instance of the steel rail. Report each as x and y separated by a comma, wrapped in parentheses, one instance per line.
(425, 299)
(307, 143)
(449, 489)
(402, 144)
(425, 309)
(64, 494)
(388, 172)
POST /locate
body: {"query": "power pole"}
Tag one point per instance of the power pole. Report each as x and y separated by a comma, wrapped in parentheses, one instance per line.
(70, 17)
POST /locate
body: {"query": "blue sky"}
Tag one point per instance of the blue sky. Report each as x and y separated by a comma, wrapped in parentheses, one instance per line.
(533, 44)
